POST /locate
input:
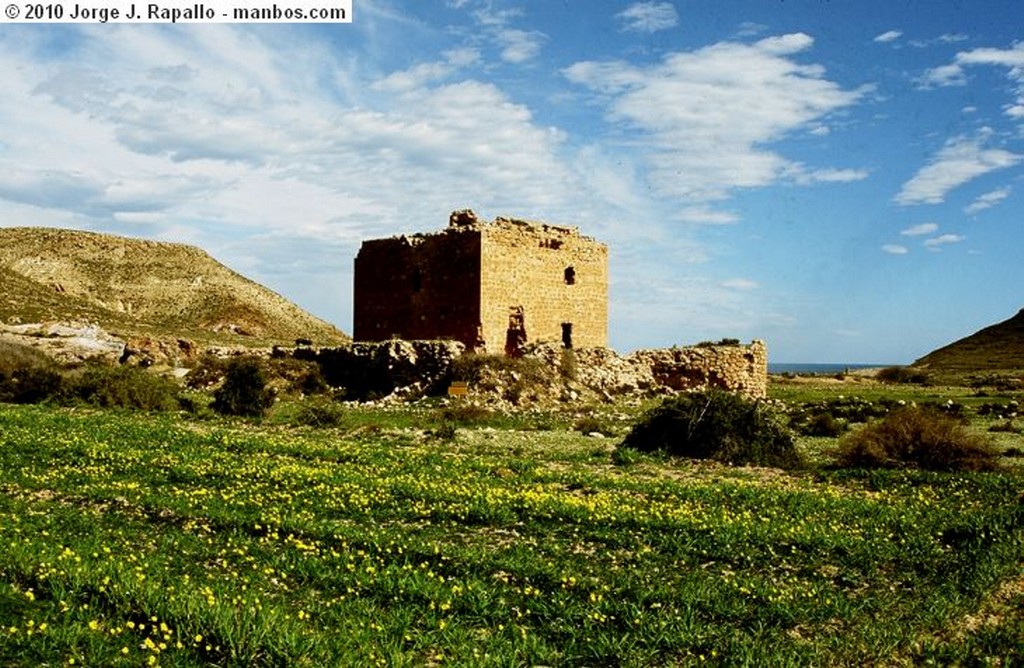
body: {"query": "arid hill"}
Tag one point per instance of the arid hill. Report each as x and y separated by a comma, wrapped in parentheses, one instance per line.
(143, 288)
(998, 348)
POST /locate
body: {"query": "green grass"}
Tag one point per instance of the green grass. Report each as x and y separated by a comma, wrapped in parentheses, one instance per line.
(130, 540)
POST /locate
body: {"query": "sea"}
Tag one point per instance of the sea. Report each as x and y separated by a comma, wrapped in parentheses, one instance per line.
(825, 369)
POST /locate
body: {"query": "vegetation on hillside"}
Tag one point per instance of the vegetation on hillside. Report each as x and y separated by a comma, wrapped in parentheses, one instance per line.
(143, 288)
(997, 350)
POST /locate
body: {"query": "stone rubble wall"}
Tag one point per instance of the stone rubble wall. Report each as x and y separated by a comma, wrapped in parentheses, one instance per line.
(406, 369)
(735, 368)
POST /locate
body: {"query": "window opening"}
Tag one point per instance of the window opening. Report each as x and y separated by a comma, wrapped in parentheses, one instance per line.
(567, 334)
(570, 275)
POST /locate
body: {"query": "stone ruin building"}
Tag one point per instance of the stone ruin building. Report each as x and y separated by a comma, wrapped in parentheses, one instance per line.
(493, 286)
(515, 286)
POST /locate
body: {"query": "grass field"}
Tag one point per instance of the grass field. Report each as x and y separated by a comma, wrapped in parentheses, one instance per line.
(133, 539)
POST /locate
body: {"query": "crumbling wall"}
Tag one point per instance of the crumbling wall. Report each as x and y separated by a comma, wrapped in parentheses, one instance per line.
(418, 287)
(735, 368)
(554, 277)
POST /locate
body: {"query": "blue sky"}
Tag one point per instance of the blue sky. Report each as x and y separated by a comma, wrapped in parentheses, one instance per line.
(841, 179)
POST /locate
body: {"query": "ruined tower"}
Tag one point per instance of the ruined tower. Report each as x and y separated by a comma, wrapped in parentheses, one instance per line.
(494, 286)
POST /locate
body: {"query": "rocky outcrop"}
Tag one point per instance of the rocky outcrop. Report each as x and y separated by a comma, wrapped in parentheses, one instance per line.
(66, 342)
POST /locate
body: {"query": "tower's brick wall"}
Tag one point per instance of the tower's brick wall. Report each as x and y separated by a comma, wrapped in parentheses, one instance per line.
(555, 276)
(493, 286)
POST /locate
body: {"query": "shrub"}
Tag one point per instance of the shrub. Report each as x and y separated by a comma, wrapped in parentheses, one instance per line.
(208, 372)
(244, 391)
(120, 387)
(715, 425)
(320, 413)
(823, 424)
(902, 375)
(27, 376)
(592, 425)
(917, 437)
(445, 431)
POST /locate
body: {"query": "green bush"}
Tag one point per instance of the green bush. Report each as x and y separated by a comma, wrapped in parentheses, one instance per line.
(715, 425)
(319, 413)
(822, 424)
(120, 387)
(902, 375)
(27, 376)
(244, 391)
(208, 371)
(592, 425)
(917, 437)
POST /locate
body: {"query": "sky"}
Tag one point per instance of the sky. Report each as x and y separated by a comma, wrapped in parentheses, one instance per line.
(840, 179)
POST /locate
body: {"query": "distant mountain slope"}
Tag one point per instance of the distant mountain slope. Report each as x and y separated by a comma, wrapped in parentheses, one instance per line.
(996, 348)
(143, 288)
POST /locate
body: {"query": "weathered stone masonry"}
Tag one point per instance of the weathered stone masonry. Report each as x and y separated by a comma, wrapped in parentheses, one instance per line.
(517, 286)
(493, 286)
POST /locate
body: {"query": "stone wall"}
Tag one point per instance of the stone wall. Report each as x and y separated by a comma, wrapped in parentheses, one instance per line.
(412, 368)
(735, 368)
(418, 287)
(556, 278)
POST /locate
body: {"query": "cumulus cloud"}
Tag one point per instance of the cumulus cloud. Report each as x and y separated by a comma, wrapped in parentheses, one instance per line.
(919, 230)
(987, 201)
(895, 249)
(954, 74)
(961, 160)
(889, 36)
(706, 117)
(217, 133)
(649, 17)
(935, 243)
(518, 46)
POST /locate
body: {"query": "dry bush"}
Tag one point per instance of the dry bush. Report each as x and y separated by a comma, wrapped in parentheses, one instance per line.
(917, 437)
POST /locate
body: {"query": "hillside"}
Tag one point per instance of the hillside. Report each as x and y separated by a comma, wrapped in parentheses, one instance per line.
(998, 348)
(143, 288)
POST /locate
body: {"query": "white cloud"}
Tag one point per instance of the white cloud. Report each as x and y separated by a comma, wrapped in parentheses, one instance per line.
(954, 73)
(895, 249)
(962, 159)
(706, 216)
(217, 133)
(649, 17)
(889, 36)
(741, 284)
(831, 175)
(919, 230)
(422, 74)
(987, 201)
(935, 243)
(944, 75)
(520, 45)
(706, 117)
